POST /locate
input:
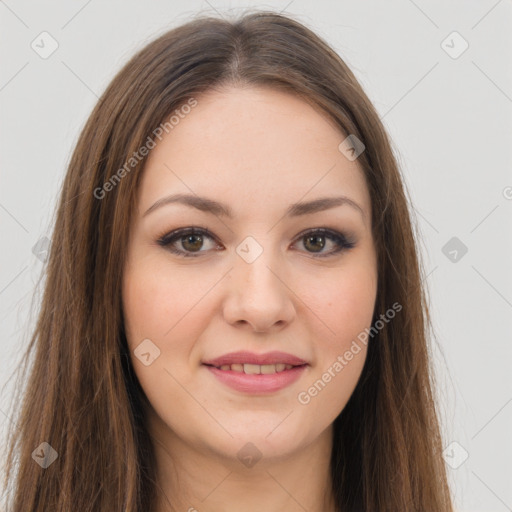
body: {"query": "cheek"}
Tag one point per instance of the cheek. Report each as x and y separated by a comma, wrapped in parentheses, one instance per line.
(171, 310)
(157, 302)
(346, 308)
(354, 306)
(162, 307)
(345, 305)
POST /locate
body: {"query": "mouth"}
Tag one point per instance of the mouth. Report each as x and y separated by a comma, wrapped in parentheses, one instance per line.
(256, 369)
(252, 373)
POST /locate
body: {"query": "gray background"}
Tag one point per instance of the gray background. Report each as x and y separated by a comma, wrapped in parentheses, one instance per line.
(450, 121)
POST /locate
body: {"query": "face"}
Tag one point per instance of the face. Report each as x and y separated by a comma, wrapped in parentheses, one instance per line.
(237, 314)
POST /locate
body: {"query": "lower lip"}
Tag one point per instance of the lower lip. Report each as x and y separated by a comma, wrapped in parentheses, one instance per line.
(258, 383)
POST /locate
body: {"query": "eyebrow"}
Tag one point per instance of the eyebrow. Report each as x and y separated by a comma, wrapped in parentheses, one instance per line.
(207, 205)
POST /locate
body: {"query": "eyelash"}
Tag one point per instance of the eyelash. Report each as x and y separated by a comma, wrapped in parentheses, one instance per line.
(167, 240)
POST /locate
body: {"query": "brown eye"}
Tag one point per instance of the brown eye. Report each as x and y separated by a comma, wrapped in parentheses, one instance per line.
(190, 239)
(191, 242)
(314, 241)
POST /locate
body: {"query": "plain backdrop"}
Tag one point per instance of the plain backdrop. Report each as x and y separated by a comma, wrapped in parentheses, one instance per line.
(439, 75)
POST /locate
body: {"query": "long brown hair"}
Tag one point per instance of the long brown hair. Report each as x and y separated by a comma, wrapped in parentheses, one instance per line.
(82, 396)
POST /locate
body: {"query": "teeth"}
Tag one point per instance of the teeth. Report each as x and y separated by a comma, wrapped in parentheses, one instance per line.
(254, 369)
(268, 368)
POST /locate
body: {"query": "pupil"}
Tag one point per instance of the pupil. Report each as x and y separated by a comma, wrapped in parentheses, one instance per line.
(191, 237)
(316, 238)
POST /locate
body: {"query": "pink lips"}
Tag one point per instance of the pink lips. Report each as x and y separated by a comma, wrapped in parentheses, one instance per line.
(252, 358)
(257, 383)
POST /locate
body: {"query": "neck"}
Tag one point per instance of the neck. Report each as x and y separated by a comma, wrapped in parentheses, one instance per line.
(196, 479)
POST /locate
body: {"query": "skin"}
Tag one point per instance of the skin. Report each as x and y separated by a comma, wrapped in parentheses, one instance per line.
(257, 150)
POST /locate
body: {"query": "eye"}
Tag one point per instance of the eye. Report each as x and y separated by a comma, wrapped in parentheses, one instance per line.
(316, 241)
(189, 238)
(192, 240)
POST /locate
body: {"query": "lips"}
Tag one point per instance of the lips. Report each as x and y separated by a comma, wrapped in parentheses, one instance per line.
(257, 373)
(255, 369)
(252, 359)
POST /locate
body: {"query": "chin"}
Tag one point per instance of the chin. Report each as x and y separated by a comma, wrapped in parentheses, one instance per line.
(271, 437)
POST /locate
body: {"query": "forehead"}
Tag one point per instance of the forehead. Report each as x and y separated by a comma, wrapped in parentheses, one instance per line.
(252, 147)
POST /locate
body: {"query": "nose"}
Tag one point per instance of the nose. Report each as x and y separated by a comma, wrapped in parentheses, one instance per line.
(258, 294)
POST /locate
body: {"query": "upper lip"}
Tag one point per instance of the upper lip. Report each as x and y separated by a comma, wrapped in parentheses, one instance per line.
(252, 358)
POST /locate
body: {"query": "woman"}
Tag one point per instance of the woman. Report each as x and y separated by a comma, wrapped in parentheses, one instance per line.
(198, 345)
